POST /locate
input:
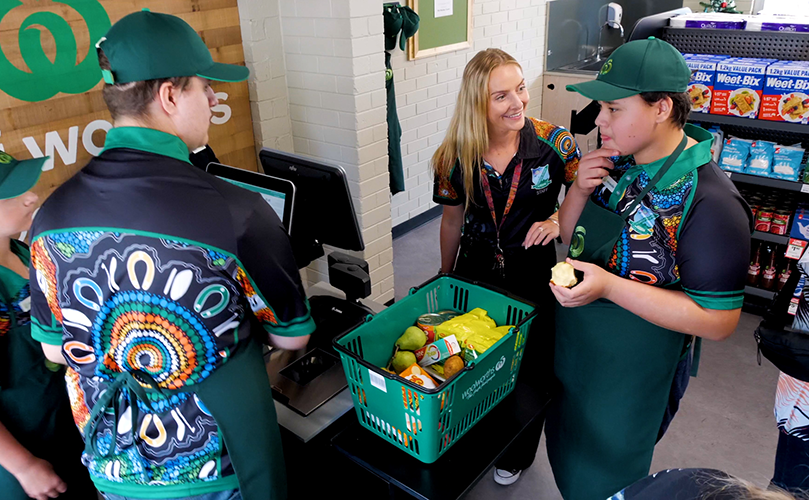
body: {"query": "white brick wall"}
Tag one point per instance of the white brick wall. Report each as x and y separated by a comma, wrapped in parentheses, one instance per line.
(426, 89)
(335, 71)
(269, 103)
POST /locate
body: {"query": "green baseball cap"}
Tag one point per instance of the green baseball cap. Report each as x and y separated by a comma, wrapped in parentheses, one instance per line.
(148, 45)
(650, 65)
(18, 176)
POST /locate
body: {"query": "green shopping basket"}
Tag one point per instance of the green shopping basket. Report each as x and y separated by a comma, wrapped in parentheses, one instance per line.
(425, 423)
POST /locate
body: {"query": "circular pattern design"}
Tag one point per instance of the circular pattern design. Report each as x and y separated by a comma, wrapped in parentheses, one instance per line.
(139, 331)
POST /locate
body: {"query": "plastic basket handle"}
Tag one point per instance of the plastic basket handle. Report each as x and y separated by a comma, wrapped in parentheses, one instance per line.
(525, 320)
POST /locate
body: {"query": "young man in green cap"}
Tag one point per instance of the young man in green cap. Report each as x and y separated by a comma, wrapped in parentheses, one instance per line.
(156, 282)
(40, 449)
(663, 239)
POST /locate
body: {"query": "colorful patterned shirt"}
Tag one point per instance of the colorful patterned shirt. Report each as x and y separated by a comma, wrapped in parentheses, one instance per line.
(691, 231)
(143, 263)
(550, 158)
(792, 395)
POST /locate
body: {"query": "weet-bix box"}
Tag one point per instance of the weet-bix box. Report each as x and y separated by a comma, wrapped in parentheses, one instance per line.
(703, 78)
(786, 92)
(738, 87)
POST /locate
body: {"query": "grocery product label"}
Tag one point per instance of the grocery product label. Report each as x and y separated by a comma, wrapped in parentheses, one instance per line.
(738, 87)
(785, 95)
(785, 27)
(715, 25)
(701, 86)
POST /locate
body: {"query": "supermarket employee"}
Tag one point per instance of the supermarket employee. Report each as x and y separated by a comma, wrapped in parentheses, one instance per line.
(156, 281)
(663, 239)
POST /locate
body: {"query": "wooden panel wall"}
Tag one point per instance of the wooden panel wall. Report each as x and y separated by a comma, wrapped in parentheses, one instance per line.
(216, 21)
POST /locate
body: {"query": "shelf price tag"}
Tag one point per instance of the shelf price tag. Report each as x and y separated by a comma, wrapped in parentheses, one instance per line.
(729, 174)
(804, 188)
(793, 306)
(795, 248)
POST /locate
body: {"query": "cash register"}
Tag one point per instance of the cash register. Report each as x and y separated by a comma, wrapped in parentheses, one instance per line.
(312, 200)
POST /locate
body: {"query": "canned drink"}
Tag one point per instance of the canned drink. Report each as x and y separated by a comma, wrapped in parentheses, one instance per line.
(764, 219)
(448, 314)
(428, 322)
(754, 209)
(780, 223)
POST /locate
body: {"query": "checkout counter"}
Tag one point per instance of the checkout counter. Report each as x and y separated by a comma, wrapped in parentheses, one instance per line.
(326, 450)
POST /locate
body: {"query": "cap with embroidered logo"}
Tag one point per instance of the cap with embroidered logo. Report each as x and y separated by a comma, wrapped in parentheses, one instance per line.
(148, 45)
(650, 65)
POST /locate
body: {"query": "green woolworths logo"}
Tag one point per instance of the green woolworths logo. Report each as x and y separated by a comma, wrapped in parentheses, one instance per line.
(577, 241)
(47, 78)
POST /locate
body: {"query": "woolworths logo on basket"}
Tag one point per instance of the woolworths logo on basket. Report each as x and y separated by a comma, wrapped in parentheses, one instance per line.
(484, 380)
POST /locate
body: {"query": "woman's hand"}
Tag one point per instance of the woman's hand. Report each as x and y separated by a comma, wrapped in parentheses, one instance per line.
(593, 167)
(595, 285)
(40, 481)
(541, 233)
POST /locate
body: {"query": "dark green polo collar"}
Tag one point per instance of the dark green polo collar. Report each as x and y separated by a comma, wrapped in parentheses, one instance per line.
(147, 139)
(691, 159)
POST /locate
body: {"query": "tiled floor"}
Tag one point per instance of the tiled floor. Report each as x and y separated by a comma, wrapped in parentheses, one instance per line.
(725, 420)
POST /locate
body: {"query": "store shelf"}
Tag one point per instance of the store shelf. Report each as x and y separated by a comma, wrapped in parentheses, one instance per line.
(767, 182)
(736, 121)
(758, 292)
(772, 238)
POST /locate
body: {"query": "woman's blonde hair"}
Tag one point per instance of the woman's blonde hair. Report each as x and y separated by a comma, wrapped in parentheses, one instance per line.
(740, 489)
(467, 137)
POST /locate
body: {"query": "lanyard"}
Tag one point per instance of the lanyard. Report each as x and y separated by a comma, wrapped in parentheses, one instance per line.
(487, 190)
(615, 198)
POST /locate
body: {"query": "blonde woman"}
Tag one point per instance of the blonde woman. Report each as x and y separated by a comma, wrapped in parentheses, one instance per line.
(498, 175)
(698, 484)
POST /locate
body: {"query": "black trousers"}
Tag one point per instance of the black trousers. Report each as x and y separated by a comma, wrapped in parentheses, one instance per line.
(792, 464)
(527, 273)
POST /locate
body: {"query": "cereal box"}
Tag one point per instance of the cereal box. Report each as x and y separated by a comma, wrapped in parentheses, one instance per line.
(738, 87)
(701, 86)
(786, 92)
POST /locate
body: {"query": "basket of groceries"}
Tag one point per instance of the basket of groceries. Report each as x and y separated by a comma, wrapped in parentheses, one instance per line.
(426, 369)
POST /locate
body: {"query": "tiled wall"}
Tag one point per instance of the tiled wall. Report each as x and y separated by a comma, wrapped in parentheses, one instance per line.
(426, 89)
(335, 73)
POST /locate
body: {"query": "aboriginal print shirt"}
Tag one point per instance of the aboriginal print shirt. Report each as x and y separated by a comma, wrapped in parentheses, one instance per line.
(550, 158)
(143, 263)
(691, 231)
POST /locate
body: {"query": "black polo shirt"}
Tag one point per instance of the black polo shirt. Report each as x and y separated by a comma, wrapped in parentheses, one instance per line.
(143, 262)
(550, 158)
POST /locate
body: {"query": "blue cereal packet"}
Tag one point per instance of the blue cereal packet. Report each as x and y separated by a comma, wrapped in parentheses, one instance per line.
(735, 154)
(787, 161)
(761, 158)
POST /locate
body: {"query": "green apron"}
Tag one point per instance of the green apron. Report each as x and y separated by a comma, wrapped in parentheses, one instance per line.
(616, 371)
(239, 397)
(34, 405)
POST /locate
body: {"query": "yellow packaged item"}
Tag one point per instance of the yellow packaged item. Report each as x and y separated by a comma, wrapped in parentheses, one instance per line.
(474, 328)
